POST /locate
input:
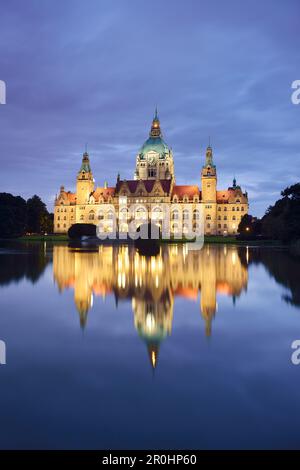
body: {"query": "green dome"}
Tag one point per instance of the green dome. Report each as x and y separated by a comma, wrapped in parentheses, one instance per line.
(155, 144)
(157, 335)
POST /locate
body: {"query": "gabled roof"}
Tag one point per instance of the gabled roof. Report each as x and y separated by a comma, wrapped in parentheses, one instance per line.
(71, 196)
(230, 194)
(103, 192)
(222, 196)
(147, 184)
(189, 191)
(66, 196)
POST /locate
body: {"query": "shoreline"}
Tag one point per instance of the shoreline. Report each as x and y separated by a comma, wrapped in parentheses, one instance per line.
(207, 240)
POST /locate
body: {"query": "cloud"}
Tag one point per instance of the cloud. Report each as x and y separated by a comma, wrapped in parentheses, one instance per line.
(78, 73)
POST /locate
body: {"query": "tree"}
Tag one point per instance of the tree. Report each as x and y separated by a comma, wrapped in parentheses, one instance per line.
(249, 226)
(38, 218)
(13, 216)
(282, 221)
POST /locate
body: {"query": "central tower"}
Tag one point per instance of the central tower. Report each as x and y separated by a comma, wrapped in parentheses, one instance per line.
(155, 158)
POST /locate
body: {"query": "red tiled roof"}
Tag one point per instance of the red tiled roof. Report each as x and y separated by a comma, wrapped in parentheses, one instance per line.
(71, 196)
(222, 196)
(189, 191)
(227, 195)
(103, 192)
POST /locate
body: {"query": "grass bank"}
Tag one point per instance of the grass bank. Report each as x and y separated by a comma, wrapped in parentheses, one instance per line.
(44, 238)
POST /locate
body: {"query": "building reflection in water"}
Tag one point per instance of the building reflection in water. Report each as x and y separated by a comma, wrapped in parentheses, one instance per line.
(152, 283)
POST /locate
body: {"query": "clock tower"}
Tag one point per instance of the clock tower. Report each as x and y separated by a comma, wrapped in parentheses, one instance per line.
(209, 193)
(85, 181)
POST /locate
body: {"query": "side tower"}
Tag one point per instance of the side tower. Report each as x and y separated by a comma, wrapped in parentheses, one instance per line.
(85, 181)
(209, 193)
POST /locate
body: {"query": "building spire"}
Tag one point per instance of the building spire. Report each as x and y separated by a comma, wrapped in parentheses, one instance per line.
(85, 164)
(209, 156)
(155, 128)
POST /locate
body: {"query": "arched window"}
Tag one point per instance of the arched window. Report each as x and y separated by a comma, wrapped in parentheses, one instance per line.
(208, 217)
(81, 217)
(185, 214)
(157, 213)
(175, 227)
(185, 228)
(175, 214)
(124, 228)
(124, 213)
(196, 214)
(152, 172)
(91, 215)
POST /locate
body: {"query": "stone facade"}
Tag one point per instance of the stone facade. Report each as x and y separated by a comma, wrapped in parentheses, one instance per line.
(154, 184)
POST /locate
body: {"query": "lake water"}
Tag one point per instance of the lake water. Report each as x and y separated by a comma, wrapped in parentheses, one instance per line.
(108, 349)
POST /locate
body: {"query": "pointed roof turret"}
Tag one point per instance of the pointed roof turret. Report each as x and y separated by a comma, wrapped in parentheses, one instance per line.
(155, 128)
(209, 156)
(85, 165)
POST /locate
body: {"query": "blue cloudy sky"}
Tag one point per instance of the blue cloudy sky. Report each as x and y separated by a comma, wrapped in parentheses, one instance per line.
(94, 70)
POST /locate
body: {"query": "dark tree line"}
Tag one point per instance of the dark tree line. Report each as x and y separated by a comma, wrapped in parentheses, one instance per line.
(280, 222)
(18, 217)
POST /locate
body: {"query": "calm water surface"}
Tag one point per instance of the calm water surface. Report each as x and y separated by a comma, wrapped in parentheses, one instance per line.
(108, 349)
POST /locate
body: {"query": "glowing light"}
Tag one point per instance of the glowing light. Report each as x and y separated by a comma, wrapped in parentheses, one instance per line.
(150, 322)
(153, 358)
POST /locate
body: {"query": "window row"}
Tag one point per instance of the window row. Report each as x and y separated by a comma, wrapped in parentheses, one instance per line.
(232, 208)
